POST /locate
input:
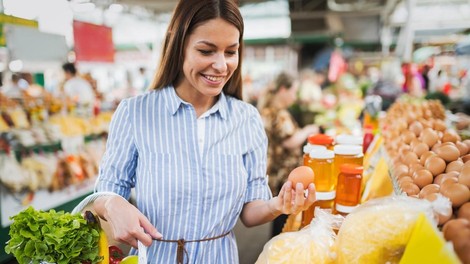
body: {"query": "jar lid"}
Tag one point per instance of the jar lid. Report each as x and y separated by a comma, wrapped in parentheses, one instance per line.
(320, 139)
(348, 149)
(309, 147)
(321, 154)
(345, 139)
(350, 168)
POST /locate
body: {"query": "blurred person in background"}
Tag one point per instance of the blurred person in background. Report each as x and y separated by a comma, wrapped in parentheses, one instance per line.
(12, 89)
(192, 149)
(285, 137)
(141, 82)
(77, 88)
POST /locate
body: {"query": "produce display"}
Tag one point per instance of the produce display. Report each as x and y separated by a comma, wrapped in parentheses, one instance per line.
(429, 160)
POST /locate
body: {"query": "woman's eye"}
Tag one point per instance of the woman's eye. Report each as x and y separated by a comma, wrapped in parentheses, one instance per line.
(205, 52)
(231, 52)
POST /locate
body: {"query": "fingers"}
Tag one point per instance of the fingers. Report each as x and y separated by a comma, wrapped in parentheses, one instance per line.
(287, 197)
(149, 228)
(299, 198)
(311, 197)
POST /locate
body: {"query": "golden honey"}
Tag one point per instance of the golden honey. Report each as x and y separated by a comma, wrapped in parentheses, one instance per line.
(348, 190)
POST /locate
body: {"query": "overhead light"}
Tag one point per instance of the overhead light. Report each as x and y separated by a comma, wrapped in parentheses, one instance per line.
(15, 65)
(116, 8)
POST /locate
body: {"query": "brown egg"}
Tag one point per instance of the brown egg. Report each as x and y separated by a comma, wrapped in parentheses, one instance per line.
(457, 193)
(422, 178)
(463, 148)
(410, 188)
(416, 127)
(464, 211)
(428, 189)
(404, 179)
(415, 167)
(407, 136)
(426, 155)
(453, 227)
(420, 148)
(436, 146)
(400, 170)
(467, 142)
(435, 165)
(403, 149)
(448, 153)
(439, 125)
(455, 165)
(444, 213)
(429, 136)
(461, 243)
(464, 177)
(410, 158)
(446, 181)
(450, 136)
(465, 158)
(455, 174)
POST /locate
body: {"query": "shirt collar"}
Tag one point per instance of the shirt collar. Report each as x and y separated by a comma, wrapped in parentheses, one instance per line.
(174, 102)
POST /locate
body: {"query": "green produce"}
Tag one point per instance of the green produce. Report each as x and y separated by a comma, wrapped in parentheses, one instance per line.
(54, 237)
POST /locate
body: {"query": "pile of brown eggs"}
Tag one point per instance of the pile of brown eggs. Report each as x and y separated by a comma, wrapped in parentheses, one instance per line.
(430, 161)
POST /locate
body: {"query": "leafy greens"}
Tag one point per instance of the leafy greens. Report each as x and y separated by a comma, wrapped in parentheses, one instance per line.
(54, 237)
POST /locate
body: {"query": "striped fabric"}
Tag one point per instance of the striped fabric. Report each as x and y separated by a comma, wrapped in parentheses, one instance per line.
(153, 146)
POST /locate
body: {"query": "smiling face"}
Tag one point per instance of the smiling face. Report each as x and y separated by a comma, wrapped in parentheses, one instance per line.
(210, 58)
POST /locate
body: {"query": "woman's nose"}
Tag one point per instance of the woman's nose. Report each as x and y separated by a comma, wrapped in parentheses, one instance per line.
(220, 63)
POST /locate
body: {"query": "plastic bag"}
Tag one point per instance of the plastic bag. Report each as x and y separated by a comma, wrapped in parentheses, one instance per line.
(379, 230)
(312, 244)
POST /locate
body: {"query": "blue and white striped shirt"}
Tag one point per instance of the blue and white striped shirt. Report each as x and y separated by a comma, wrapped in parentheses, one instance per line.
(185, 193)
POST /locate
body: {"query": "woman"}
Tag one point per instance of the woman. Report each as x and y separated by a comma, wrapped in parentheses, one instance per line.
(285, 137)
(192, 149)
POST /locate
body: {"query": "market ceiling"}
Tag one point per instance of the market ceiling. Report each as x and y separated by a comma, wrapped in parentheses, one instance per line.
(360, 21)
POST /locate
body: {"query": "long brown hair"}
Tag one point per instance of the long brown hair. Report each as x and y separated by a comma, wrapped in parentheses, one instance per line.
(188, 15)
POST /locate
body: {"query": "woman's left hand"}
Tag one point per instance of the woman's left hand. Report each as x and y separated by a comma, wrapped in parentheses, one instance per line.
(293, 200)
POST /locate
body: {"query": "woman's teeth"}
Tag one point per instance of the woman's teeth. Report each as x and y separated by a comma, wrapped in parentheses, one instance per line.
(214, 78)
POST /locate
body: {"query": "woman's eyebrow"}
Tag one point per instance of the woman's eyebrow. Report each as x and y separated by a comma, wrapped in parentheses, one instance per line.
(213, 45)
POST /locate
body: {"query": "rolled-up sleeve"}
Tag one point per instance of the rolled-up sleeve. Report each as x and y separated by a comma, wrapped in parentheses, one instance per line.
(255, 162)
(118, 165)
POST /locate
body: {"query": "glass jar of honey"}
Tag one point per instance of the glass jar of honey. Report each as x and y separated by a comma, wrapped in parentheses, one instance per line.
(348, 189)
(347, 154)
(307, 149)
(321, 161)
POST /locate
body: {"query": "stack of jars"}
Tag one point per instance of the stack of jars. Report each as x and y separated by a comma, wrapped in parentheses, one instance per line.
(337, 164)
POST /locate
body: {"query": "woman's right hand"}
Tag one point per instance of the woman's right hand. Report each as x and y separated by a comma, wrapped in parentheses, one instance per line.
(127, 223)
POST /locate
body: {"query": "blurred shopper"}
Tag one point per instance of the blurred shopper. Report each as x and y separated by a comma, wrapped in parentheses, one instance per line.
(141, 82)
(13, 90)
(310, 89)
(285, 138)
(77, 88)
(192, 149)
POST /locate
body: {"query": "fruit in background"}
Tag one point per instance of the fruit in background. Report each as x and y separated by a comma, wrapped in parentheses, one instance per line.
(130, 260)
(302, 174)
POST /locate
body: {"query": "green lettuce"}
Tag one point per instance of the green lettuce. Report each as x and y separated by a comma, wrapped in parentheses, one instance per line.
(54, 237)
